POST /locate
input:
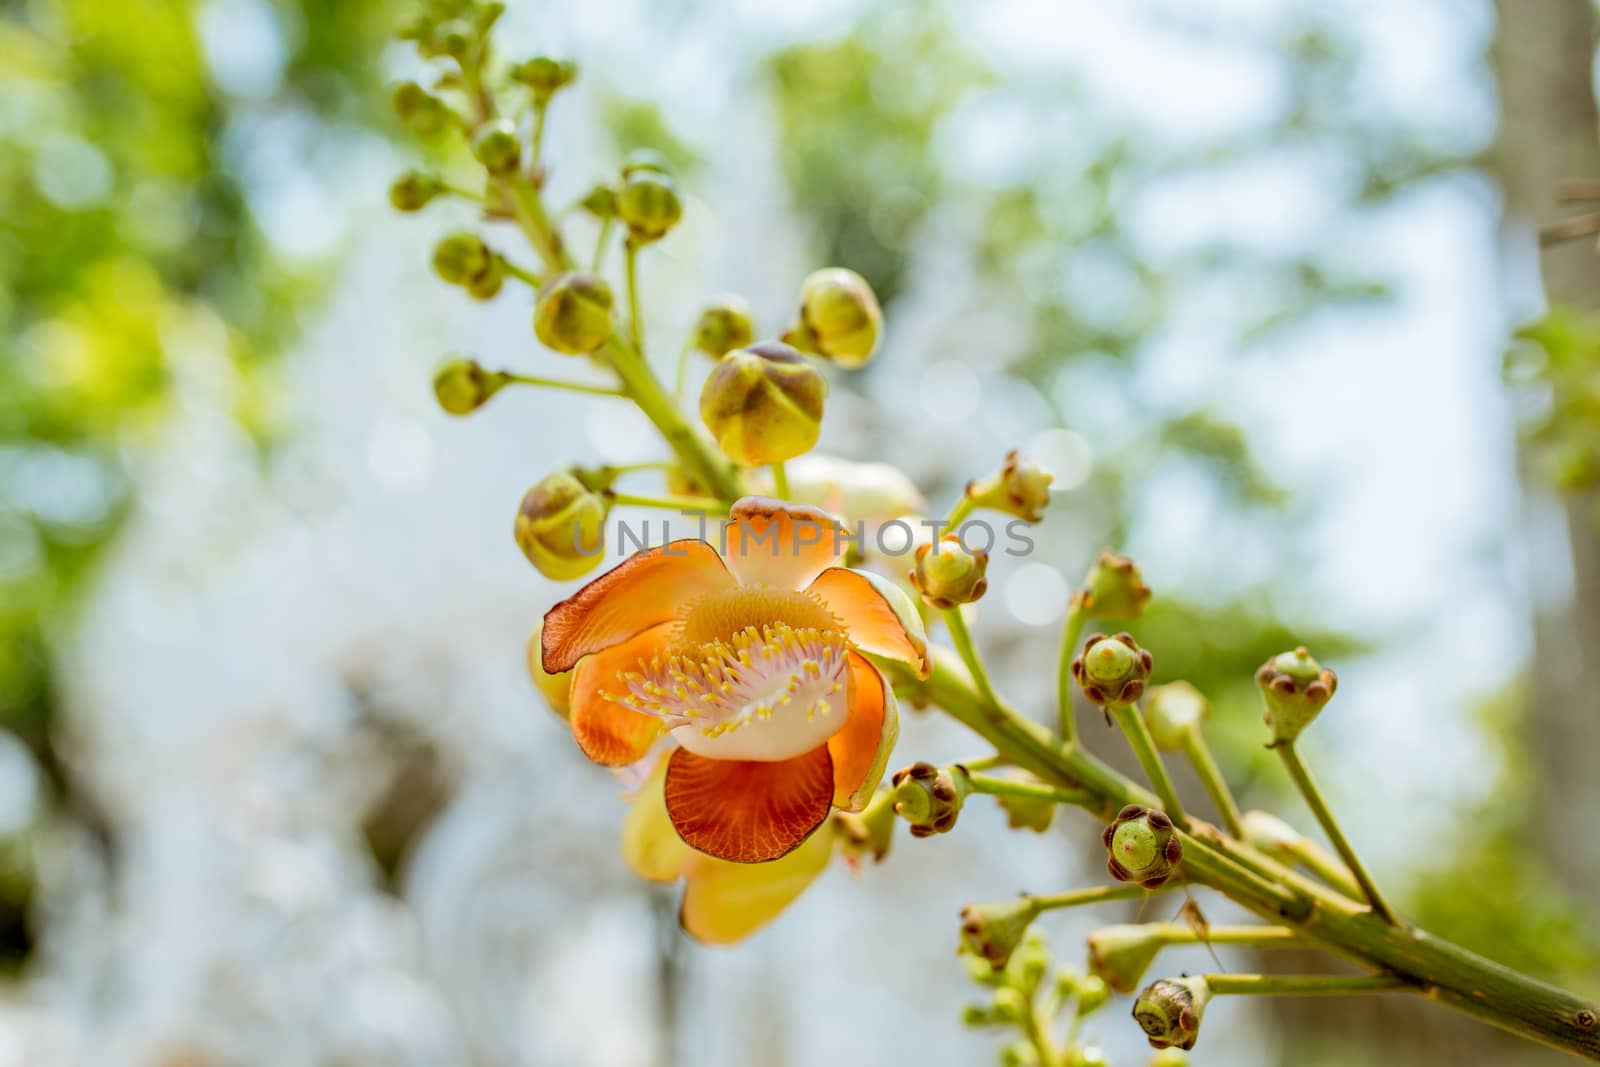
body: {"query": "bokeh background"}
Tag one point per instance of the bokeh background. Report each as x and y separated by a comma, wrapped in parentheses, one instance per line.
(1259, 280)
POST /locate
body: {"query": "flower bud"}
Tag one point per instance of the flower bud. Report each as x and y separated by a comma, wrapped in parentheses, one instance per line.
(1087, 1056)
(1067, 979)
(487, 285)
(868, 832)
(560, 527)
(1294, 687)
(648, 204)
(419, 109)
(1112, 670)
(763, 404)
(555, 688)
(1142, 846)
(1271, 835)
(495, 145)
(601, 202)
(839, 316)
(1114, 588)
(948, 573)
(976, 1015)
(648, 160)
(929, 797)
(1092, 995)
(1019, 1054)
(1010, 1006)
(1018, 488)
(452, 38)
(1121, 954)
(1169, 1011)
(1169, 1057)
(573, 313)
(993, 931)
(1031, 962)
(462, 385)
(724, 326)
(1027, 813)
(413, 190)
(1173, 713)
(462, 257)
(545, 76)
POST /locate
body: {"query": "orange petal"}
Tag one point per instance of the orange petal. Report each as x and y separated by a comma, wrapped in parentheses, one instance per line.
(609, 733)
(861, 749)
(773, 543)
(726, 902)
(879, 618)
(649, 843)
(645, 589)
(748, 811)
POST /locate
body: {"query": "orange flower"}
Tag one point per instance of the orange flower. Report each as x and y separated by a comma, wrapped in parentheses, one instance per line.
(753, 665)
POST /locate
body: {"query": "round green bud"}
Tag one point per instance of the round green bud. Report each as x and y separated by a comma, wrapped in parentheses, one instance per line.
(993, 931)
(424, 113)
(1112, 670)
(1087, 1056)
(461, 257)
(840, 316)
(1018, 488)
(763, 404)
(1142, 846)
(947, 573)
(1169, 1057)
(1114, 588)
(1174, 713)
(1067, 979)
(724, 326)
(648, 205)
(1294, 687)
(555, 688)
(1169, 1011)
(1120, 954)
(487, 285)
(413, 190)
(1010, 1006)
(976, 1015)
(495, 145)
(573, 313)
(462, 386)
(451, 38)
(601, 202)
(560, 527)
(1019, 1054)
(866, 833)
(929, 797)
(545, 76)
(646, 159)
(1092, 995)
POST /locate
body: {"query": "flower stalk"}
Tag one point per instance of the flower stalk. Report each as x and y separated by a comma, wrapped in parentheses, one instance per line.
(1330, 826)
(1127, 717)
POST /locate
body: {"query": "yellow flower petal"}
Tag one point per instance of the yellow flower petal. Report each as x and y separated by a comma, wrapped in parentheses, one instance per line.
(726, 902)
(649, 843)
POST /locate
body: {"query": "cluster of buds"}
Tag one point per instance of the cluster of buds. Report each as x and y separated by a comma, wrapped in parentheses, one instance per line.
(1295, 687)
(839, 317)
(560, 526)
(1113, 589)
(1112, 671)
(1169, 1011)
(1142, 846)
(929, 797)
(763, 404)
(573, 313)
(425, 114)
(1028, 998)
(948, 573)
(1019, 488)
(464, 259)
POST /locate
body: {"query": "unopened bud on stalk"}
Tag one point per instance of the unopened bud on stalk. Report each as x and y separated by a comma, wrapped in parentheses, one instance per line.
(486, 285)
(1031, 962)
(601, 202)
(413, 190)
(1173, 713)
(868, 832)
(1121, 954)
(947, 573)
(560, 527)
(648, 204)
(573, 313)
(1027, 813)
(1010, 1006)
(1169, 1057)
(1019, 1054)
(724, 326)
(1271, 835)
(462, 385)
(993, 931)
(1169, 1011)
(495, 145)
(1087, 1056)
(1018, 488)
(555, 688)
(1092, 995)
(839, 317)
(929, 797)
(763, 404)
(1294, 687)
(1142, 846)
(1114, 588)
(419, 109)
(1112, 670)
(545, 76)
(462, 257)
(452, 38)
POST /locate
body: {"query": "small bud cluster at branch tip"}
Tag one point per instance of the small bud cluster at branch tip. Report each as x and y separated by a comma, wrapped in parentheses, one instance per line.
(496, 146)
(555, 688)
(724, 326)
(1142, 846)
(840, 319)
(1170, 1009)
(1113, 589)
(947, 573)
(993, 931)
(463, 259)
(462, 385)
(1121, 954)
(1112, 670)
(1174, 713)
(1093, 993)
(560, 527)
(763, 404)
(1294, 687)
(929, 797)
(545, 76)
(414, 190)
(573, 313)
(647, 201)
(424, 113)
(1018, 488)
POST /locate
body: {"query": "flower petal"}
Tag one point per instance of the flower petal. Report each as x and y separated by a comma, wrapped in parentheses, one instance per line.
(649, 843)
(647, 588)
(879, 618)
(609, 733)
(726, 902)
(748, 811)
(770, 542)
(861, 750)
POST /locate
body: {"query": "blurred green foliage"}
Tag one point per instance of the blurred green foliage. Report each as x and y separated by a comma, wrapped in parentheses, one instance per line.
(1554, 364)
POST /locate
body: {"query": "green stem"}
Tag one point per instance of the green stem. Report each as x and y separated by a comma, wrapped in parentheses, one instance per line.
(571, 387)
(681, 379)
(961, 637)
(520, 273)
(961, 510)
(1100, 894)
(698, 505)
(1315, 859)
(1262, 936)
(780, 481)
(1132, 724)
(1199, 753)
(630, 252)
(600, 244)
(1330, 826)
(539, 110)
(1077, 615)
(1010, 787)
(1303, 984)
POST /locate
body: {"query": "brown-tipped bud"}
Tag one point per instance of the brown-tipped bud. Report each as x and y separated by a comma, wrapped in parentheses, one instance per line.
(1121, 954)
(419, 109)
(496, 146)
(724, 326)
(1112, 670)
(1142, 846)
(555, 688)
(573, 313)
(1294, 687)
(413, 190)
(1169, 1011)
(929, 797)
(545, 76)
(462, 257)
(947, 573)
(560, 527)
(763, 404)
(869, 832)
(839, 316)
(1027, 813)
(648, 205)
(1114, 588)
(993, 931)
(462, 385)
(1174, 713)
(1018, 488)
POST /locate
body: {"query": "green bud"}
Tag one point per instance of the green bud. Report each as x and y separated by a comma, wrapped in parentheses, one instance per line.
(648, 205)
(1169, 1011)
(461, 257)
(1019, 1054)
(929, 797)
(560, 527)
(495, 145)
(947, 573)
(1092, 995)
(555, 688)
(1271, 835)
(487, 285)
(413, 190)
(1027, 813)
(1142, 846)
(1010, 1006)
(1114, 588)
(573, 313)
(1121, 954)
(1087, 1056)
(424, 113)
(601, 202)
(868, 832)
(840, 316)
(1174, 712)
(647, 160)
(545, 76)
(763, 404)
(462, 386)
(993, 931)
(724, 326)
(1018, 488)
(1067, 979)
(1294, 687)
(976, 1015)
(1112, 670)
(1169, 1057)
(452, 38)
